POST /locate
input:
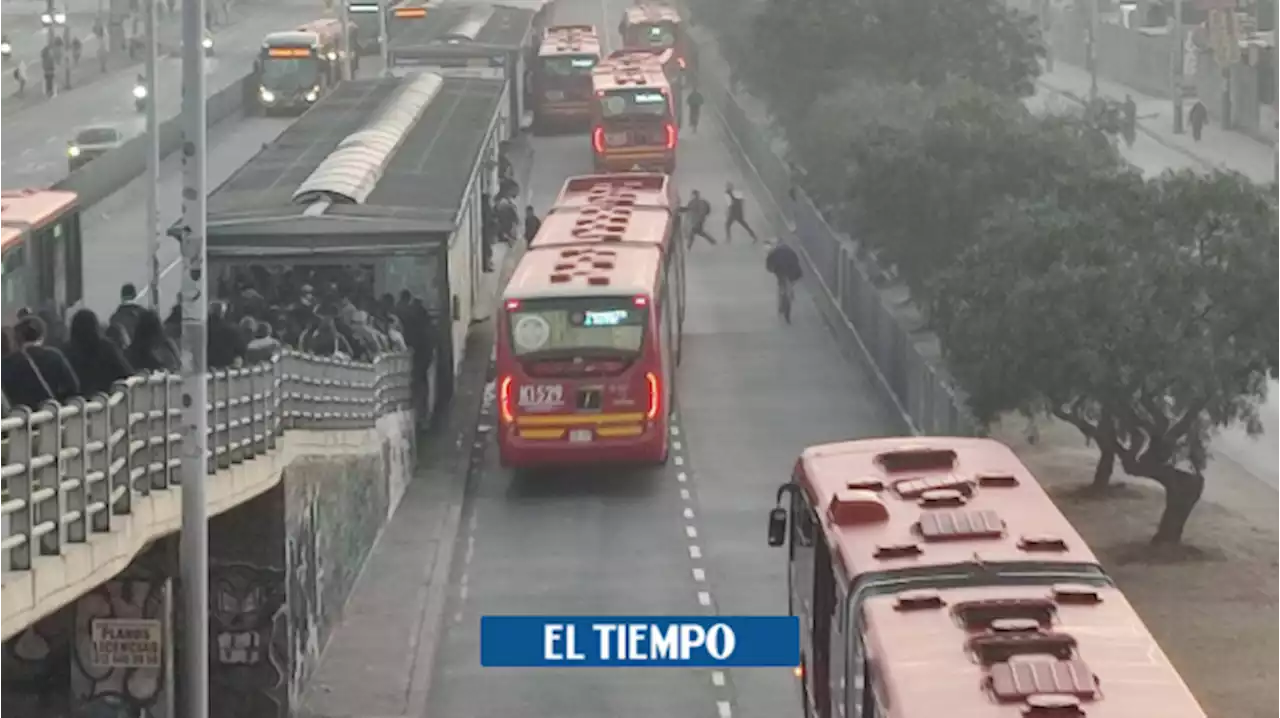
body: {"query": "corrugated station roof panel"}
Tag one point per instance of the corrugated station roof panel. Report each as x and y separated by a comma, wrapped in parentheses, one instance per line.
(350, 173)
(270, 178)
(433, 165)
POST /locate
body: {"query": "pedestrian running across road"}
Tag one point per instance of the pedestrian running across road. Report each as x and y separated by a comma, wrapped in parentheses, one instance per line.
(737, 214)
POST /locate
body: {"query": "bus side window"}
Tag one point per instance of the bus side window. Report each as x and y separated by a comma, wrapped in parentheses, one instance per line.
(75, 258)
(856, 670)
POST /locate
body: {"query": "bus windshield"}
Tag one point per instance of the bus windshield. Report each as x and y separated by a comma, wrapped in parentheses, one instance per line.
(652, 34)
(565, 66)
(613, 326)
(290, 73)
(638, 103)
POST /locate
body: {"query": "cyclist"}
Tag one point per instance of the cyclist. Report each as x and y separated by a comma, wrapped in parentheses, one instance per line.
(783, 263)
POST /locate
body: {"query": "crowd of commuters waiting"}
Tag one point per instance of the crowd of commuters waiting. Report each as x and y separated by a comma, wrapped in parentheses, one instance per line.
(328, 311)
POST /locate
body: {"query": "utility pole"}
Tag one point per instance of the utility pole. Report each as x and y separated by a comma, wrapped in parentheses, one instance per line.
(1179, 62)
(384, 42)
(1275, 85)
(194, 555)
(1093, 52)
(153, 156)
(344, 44)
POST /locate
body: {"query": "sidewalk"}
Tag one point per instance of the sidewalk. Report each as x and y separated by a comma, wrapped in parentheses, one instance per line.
(1218, 148)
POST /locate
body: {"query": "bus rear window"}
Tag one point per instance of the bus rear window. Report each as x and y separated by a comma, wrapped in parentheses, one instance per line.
(611, 326)
(633, 103)
(569, 65)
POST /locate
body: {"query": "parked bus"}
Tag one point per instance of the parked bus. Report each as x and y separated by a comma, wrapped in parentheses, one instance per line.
(584, 212)
(591, 328)
(562, 77)
(297, 67)
(671, 69)
(633, 123)
(366, 34)
(654, 26)
(944, 558)
(41, 249)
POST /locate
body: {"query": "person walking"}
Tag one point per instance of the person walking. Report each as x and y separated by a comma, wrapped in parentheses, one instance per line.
(126, 315)
(695, 108)
(48, 66)
(20, 77)
(737, 214)
(97, 362)
(150, 349)
(1199, 117)
(34, 373)
(1129, 120)
(697, 212)
(531, 225)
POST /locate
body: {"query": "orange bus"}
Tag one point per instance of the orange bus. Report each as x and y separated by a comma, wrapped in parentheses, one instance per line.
(41, 249)
(588, 340)
(584, 212)
(633, 124)
(562, 76)
(654, 26)
(670, 68)
(942, 563)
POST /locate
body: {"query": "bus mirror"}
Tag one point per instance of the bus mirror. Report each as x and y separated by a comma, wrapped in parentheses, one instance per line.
(777, 526)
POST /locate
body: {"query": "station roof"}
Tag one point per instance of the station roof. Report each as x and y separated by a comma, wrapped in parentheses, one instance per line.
(479, 24)
(417, 192)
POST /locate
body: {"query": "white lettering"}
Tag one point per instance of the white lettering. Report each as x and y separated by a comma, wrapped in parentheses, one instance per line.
(571, 644)
(721, 641)
(691, 636)
(603, 630)
(665, 644)
(551, 634)
(636, 635)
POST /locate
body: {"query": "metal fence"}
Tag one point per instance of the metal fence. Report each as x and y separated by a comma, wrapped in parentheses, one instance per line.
(922, 391)
(70, 469)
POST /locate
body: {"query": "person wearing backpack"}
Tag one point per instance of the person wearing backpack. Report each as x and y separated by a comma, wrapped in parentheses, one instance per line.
(34, 373)
(127, 314)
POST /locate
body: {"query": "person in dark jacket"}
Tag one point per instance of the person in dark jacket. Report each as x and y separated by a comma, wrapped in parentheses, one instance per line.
(97, 361)
(226, 345)
(126, 315)
(33, 373)
(531, 224)
(150, 349)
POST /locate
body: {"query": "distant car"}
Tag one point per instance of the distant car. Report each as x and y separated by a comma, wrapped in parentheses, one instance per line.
(91, 143)
(207, 43)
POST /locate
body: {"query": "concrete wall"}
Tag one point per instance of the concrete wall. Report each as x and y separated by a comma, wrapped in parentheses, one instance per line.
(282, 566)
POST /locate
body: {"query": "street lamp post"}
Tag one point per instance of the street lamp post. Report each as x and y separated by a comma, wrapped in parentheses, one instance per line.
(194, 541)
(1179, 62)
(153, 156)
(1093, 51)
(383, 39)
(344, 44)
(52, 19)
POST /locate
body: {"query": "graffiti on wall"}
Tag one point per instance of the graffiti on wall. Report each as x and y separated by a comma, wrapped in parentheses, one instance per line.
(306, 607)
(37, 668)
(249, 642)
(139, 691)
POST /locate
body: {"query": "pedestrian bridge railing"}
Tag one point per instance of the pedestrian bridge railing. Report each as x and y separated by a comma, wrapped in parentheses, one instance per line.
(70, 470)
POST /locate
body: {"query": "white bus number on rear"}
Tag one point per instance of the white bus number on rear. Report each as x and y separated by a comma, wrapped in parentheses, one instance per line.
(542, 395)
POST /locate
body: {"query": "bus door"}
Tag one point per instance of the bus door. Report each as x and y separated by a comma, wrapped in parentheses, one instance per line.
(824, 607)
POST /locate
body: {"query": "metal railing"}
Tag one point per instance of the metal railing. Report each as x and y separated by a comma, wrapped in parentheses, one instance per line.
(70, 469)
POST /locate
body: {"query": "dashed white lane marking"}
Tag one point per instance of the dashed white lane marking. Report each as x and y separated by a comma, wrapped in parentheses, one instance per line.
(675, 431)
(704, 598)
(684, 494)
(699, 575)
(679, 461)
(676, 445)
(682, 477)
(464, 591)
(717, 679)
(688, 513)
(724, 709)
(695, 552)
(691, 532)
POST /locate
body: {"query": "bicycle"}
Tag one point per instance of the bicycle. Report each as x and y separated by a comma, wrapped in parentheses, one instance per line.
(786, 295)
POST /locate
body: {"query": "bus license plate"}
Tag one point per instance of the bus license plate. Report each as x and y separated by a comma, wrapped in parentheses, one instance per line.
(580, 436)
(616, 138)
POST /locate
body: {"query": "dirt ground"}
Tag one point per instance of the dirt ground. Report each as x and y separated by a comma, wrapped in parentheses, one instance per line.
(1213, 605)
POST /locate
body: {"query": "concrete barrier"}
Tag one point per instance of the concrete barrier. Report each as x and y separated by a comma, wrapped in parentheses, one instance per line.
(105, 175)
(873, 323)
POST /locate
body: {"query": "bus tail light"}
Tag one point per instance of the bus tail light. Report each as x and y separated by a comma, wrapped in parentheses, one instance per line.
(651, 380)
(512, 305)
(640, 300)
(671, 136)
(504, 400)
(597, 140)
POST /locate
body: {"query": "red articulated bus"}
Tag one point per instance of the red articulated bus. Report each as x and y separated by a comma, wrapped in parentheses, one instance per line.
(42, 251)
(590, 332)
(935, 577)
(633, 116)
(562, 77)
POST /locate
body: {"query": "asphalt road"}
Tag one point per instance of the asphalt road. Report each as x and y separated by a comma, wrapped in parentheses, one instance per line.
(33, 145)
(688, 538)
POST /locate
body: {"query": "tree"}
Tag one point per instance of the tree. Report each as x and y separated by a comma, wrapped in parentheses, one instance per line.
(802, 47)
(1143, 313)
(920, 200)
